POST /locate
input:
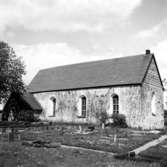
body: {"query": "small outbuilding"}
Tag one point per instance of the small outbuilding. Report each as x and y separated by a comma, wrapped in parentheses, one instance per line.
(21, 107)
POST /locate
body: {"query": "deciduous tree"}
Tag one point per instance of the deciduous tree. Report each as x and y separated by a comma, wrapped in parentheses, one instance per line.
(11, 71)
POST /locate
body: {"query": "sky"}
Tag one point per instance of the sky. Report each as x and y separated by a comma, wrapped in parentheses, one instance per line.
(48, 33)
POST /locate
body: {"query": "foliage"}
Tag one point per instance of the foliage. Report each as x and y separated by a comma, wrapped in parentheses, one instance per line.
(102, 116)
(165, 121)
(11, 71)
(119, 120)
(101, 113)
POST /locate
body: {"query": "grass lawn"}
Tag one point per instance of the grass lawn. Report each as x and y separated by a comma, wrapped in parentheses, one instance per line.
(125, 140)
(14, 154)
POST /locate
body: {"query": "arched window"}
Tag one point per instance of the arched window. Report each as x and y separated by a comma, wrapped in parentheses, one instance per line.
(83, 106)
(153, 104)
(53, 99)
(115, 104)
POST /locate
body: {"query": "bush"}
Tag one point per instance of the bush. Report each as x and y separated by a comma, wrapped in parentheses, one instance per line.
(165, 113)
(165, 121)
(119, 120)
(102, 116)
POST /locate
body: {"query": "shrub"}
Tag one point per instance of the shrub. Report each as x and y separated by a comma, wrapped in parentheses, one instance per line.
(102, 116)
(165, 121)
(165, 113)
(119, 120)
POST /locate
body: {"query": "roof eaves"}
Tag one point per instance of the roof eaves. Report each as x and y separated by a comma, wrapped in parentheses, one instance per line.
(29, 104)
(81, 88)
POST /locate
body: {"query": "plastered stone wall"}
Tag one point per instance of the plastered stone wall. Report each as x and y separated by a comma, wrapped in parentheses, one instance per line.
(152, 86)
(151, 120)
(68, 108)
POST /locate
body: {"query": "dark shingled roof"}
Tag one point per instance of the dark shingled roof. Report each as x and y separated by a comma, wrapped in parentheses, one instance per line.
(31, 101)
(118, 71)
(25, 101)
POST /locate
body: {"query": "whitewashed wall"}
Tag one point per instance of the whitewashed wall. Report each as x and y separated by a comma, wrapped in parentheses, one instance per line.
(154, 118)
(68, 107)
(135, 102)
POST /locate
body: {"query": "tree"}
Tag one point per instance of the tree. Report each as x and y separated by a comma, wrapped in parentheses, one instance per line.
(102, 115)
(11, 71)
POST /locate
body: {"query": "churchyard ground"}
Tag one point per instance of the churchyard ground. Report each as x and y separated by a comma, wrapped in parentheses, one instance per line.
(114, 140)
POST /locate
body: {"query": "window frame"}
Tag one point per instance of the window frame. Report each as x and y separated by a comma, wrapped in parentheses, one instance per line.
(53, 99)
(115, 100)
(83, 107)
(153, 104)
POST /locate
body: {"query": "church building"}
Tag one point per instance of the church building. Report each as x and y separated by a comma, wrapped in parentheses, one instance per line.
(128, 85)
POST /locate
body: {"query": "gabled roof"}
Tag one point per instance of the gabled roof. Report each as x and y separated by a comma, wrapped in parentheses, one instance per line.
(113, 72)
(25, 101)
(31, 101)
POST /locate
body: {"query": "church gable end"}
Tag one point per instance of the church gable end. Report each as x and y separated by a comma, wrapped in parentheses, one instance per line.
(152, 98)
(152, 75)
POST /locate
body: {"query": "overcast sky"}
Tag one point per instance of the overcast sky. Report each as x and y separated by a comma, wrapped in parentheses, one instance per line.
(49, 33)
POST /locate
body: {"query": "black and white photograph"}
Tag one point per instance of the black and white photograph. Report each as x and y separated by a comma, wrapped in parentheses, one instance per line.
(83, 83)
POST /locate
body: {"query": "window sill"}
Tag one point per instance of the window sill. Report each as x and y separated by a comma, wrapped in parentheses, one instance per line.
(52, 116)
(81, 117)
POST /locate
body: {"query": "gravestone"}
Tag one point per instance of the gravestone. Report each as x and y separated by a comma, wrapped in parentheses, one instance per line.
(11, 135)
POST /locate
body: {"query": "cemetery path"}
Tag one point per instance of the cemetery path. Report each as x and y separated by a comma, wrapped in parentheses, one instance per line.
(136, 151)
(149, 144)
(86, 149)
